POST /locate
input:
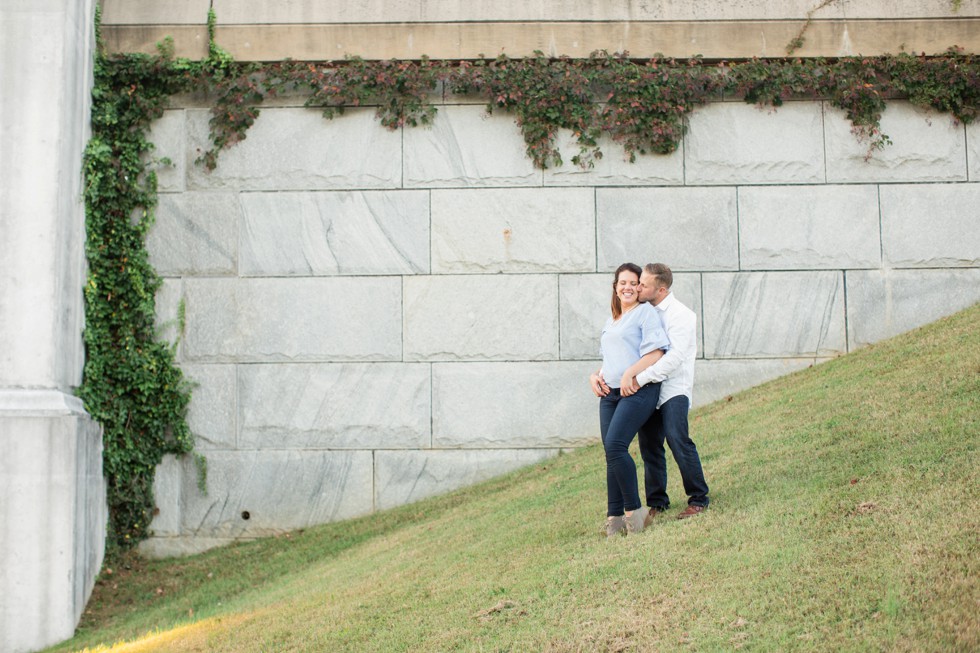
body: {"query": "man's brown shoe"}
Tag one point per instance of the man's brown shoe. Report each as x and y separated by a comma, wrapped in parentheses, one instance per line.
(651, 516)
(690, 511)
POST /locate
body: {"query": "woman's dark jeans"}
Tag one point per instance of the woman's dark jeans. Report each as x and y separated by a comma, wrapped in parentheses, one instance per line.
(619, 419)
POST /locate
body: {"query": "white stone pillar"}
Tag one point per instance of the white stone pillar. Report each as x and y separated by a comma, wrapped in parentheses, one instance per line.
(52, 492)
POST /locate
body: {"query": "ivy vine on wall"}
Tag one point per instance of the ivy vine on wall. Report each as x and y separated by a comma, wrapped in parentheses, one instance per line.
(132, 385)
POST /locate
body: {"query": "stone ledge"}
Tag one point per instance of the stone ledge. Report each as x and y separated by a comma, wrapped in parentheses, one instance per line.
(713, 39)
(39, 403)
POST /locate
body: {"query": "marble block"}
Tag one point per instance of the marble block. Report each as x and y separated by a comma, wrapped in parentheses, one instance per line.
(167, 304)
(885, 303)
(931, 225)
(507, 405)
(513, 230)
(299, 149)
(313, 234)
(926, 146)
(195, 234)
(466, 146)
(808, 227)
(773, 314)
(688, 228)
(614, 168)
(402, 477)
(257, 493)
(304, 319)
(213, 412)
(168, 135)
(739, 143)
(313, 406)
(486, 317)
(166, 498)
(584, 304)
(718, 379)
(973, 150)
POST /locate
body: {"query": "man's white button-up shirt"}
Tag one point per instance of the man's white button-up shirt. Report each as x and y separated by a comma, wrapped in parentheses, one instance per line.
(676, 369)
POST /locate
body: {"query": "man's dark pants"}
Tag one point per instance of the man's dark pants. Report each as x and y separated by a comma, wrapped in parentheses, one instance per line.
(669, 423)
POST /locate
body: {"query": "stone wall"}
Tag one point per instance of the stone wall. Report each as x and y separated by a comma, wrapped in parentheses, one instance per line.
(376, 316)
(259, 30)
(52, 493)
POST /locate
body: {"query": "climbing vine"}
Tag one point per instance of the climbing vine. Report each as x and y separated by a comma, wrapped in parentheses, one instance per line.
(131, 383)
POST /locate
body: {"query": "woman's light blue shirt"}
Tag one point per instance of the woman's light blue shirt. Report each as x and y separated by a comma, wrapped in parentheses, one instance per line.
(624, 341)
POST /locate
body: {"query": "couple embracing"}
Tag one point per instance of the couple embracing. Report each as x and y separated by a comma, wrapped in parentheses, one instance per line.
(644, 387)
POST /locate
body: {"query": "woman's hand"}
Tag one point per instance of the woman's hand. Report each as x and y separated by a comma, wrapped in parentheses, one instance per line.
(599, 387)
(628, 385)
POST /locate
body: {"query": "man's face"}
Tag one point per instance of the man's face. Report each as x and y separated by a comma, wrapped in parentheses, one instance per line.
(649, 292)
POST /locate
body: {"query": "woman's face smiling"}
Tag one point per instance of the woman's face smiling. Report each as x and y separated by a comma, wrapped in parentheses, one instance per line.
(628, 289)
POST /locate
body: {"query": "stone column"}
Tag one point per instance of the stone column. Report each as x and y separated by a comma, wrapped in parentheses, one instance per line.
(52, 492)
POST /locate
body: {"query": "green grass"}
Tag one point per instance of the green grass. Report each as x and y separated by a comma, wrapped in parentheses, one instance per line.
(845, 516)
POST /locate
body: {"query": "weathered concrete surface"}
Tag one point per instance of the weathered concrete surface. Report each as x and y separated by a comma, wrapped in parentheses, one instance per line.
(658, 224)
(195, 233)
(213, 411)
(290, 149)
(614, 168)
(52, 492)
(471, 40)
(311, 319)
(465, 317)
(808, 227)
(513, 230)
(313, 234)
(973, 150)
(167, 160)
(405, 476)
(335, 406)
(235, 12)
(793, 314)
(256, 493)
(725, 146)
(719, 379)
(548, 405)
(466, 146)
(937, 225)
(925, 146)
(52, 516)
(885, 303)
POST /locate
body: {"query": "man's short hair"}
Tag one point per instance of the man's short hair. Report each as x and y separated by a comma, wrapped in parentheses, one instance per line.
(661, 273)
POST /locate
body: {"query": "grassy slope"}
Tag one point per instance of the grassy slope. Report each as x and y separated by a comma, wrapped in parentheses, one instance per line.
(845, 516)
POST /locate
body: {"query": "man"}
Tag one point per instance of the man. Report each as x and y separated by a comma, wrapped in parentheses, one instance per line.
(675, 371)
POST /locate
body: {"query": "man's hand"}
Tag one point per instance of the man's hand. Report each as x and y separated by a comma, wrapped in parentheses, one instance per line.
(599, 387)
(628, 385)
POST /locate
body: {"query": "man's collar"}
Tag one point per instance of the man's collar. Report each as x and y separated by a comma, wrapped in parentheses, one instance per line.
(665, 302)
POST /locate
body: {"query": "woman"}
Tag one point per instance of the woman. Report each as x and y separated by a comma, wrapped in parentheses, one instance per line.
(632, 340)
